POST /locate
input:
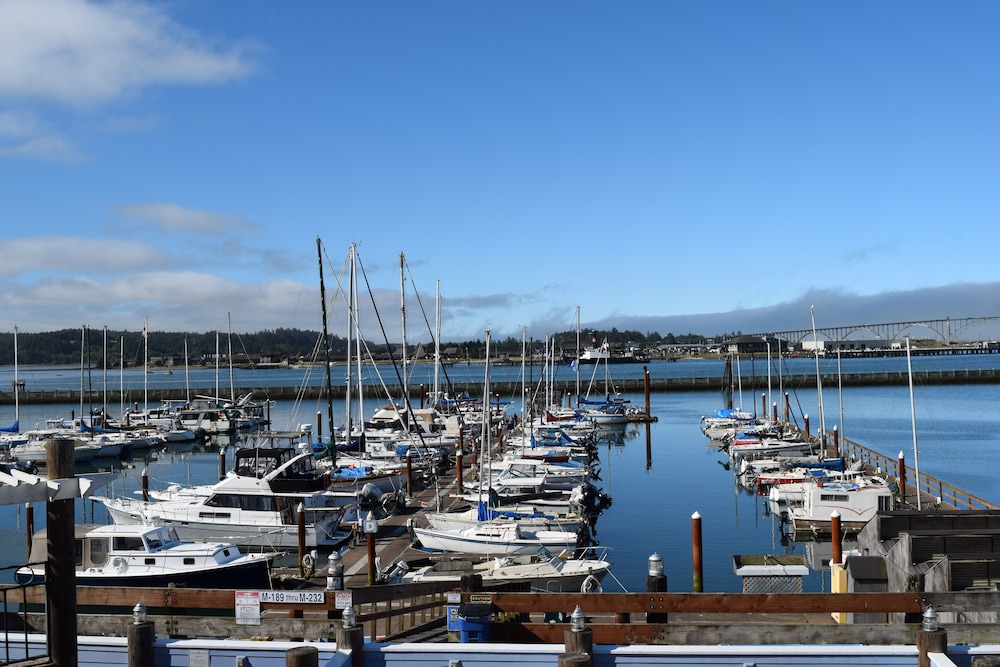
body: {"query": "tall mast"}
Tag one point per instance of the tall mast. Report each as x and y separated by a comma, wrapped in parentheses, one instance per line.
(402, 311)
(145, 365)
(437, 340)
(356, 323)
(229, 337)
(913, 423)
(17, 386)
(350, 325)
(326, 354)
(819, 387)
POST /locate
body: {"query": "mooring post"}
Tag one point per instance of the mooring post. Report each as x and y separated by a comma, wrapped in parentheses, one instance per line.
(763, 405)
(60, 572)
(696, 554)
(139, 637)
(29, 526)
(222, 463)
(788, 410)
(458, 467)
(656, 582)
(805, 422)
(300, 512)
(145, 485)
(409, 474)
(302, 656)
(836, 442)
(836, 555)
(931, 638)
(319, 428)
(901, 475)
(774, 412)
(646, 389)
(351, 638)
(578, 638)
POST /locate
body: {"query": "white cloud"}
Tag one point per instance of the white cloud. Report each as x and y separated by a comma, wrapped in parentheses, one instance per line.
(23, 134)
(85, 54)
(67, 255)
(174, 219)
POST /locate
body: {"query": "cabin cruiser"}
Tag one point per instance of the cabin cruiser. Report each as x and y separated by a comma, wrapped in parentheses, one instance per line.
(152, 556)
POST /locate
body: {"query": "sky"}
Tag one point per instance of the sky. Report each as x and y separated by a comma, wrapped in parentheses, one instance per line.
(670, 166)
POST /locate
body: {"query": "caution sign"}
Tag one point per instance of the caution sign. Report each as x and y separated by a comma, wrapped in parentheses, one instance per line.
(481, 597)
(248, 607)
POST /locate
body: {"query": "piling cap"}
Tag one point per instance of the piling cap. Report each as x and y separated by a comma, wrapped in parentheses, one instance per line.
(656, 565)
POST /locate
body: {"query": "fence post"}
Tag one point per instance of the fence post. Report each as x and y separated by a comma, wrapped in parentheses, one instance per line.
(140, 635)
(60, 572)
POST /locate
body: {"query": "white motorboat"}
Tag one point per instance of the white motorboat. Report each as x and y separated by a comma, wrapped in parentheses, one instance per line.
(153, 556)
(493, 538)
(536, 566)
(255, 505)
(856, 500)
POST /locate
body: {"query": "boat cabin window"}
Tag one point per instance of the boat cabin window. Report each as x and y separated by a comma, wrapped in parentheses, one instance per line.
(834, 498)
(98, 551)
(243, 502)
(128, 544)
(153, 541)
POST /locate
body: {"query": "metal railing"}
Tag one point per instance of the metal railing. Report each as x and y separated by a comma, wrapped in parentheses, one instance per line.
(16, 627)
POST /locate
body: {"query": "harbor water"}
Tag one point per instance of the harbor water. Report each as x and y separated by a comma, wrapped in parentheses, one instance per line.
(658, 475)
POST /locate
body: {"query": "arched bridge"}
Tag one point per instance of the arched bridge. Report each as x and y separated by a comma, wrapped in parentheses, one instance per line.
(945, 330)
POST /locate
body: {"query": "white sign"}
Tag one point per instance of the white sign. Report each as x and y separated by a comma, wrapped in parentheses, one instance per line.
(296, 597)
(248, 607)
(198, 657)
(343, 599)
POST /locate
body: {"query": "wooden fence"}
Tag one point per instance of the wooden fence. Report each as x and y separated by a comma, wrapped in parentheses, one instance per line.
(389, 612)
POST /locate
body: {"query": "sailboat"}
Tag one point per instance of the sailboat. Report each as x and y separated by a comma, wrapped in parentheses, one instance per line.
(8, 433)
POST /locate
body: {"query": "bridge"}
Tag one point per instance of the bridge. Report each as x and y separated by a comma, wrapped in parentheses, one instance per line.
(945, 330)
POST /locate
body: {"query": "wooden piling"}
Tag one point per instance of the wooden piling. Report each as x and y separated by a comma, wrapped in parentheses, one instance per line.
(458, 469)
(302, 656)
(319, 427)
(409, 474)
(901, 476)
(29, 526)
(930, 641)
(574, 660)
(656, 582)
(300, 512)
(222, 463)
(352, 640)
(145, 485)
(805, 421)
(696, 555)
(60, 572)
(140, 637)
(579, 641)
(836, 555)
(836, 443)
(646, 389)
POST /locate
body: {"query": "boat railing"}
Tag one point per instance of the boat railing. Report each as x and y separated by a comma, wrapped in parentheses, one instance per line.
(16, 624)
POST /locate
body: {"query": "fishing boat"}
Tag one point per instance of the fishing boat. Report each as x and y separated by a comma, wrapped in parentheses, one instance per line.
(153, 556)
(535, 566)
(255, 505)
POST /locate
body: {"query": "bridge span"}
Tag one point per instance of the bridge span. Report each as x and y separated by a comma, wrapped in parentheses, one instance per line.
(946, 330)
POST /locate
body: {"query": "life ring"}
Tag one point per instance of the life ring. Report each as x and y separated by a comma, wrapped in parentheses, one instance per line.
(120, 564)
(591, 585)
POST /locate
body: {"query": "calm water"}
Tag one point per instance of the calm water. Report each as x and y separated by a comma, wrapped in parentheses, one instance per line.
(654, 495)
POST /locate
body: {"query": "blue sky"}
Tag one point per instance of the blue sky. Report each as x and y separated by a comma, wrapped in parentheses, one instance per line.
(664, 166)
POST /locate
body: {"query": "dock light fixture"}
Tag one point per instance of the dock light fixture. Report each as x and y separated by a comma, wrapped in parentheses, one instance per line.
(930, 620)
(656, 565)
(139, 613)
(350, 617)
(577, 621)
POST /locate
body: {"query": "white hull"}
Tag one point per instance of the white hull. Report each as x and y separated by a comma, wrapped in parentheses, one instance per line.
(493, 539)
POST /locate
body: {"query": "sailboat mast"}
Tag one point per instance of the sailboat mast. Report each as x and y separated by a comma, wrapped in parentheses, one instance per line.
(187, 376)
(17, 385)
(819, 387)
(356, 323)
(913, 423)
(576, 362)
(486, 455)
(402, 312)
(229, 338)
(326, 353)
(437, 340)
(145, 365)
(350, 325)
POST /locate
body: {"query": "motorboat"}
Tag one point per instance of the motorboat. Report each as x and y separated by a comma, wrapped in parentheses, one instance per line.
(152, 556)
(255, 505)
(493, 538)
(856, 500)
(536, 566)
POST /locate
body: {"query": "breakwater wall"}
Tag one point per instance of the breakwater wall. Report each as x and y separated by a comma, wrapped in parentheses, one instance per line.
(561, 388)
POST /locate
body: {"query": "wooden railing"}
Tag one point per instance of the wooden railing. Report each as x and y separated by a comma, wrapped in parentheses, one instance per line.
(615, 618)
(931, 486)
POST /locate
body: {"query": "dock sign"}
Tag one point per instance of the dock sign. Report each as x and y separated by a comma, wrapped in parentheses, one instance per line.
(248, 607)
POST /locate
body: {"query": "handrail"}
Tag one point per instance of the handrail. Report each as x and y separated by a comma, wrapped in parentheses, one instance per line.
(16, 647)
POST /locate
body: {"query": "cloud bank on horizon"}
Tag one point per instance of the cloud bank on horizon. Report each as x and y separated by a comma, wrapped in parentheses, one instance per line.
(668, 167)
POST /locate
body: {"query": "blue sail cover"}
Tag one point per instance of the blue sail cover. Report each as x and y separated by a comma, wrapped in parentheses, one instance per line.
(13, 428)
(484, 513)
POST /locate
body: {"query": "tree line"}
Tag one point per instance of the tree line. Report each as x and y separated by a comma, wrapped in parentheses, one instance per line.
(99, 347)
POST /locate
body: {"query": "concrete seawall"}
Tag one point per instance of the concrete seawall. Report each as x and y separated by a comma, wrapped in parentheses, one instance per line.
(630, 386)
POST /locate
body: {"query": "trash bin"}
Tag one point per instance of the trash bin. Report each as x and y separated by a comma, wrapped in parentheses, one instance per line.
(474, 621)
